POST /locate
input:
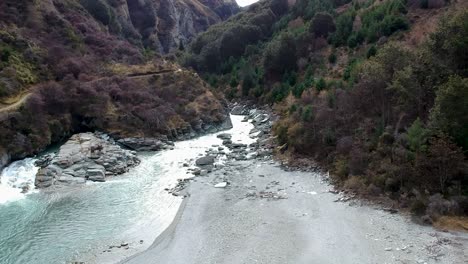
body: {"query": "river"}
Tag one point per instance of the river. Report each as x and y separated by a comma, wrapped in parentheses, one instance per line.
(79, 224)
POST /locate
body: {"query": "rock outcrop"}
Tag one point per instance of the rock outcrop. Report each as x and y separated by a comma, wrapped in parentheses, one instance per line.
(165, 25)
(84, 157)
(4, 159)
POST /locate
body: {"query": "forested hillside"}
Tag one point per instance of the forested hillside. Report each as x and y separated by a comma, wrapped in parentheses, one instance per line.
(69, 66)
(377, 91)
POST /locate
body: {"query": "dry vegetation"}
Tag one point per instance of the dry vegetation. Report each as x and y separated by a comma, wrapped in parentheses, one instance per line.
(82, 76)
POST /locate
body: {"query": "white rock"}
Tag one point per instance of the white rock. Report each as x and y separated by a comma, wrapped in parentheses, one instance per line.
(221, 185)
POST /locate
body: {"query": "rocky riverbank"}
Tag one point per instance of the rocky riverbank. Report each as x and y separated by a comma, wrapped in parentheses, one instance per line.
(261, 147)
(84, 157)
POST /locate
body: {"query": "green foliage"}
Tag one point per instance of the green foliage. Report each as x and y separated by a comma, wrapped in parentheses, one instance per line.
(321, 85)
(371, 52)
(307, 114)
(279, 92)
(5, 53)
(417, 136)
(308, 8)
(322, 24)
(449, 43)
(384, 19)
(332, 58)
(351, 69)
(282, 23)
(234, 81)
(344, 28)
(298, 89)
(450, 112)
(231, 38)
(290, 78)
(249, 80)
(292, 108)
(280, 54)
(236, 38)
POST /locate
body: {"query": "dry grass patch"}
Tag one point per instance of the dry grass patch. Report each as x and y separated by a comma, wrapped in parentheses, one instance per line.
(459, 223)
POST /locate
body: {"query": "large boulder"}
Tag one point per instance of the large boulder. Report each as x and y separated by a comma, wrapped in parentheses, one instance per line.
(84, 157)
(204, 161)
(224, 136)
(239, 110)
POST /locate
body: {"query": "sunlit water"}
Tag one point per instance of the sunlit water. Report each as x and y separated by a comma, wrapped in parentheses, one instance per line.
(79, 224)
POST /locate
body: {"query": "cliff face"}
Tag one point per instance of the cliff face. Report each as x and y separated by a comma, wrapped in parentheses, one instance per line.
(166, 24)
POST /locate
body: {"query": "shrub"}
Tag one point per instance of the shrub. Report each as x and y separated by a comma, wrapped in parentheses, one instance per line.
(332, 58)
(417, 136)
(321, 85)
(341, 169)
(384, 19)
(355, 183)
(371, 52)
(307, 114)
(344, 28)
(322, 24)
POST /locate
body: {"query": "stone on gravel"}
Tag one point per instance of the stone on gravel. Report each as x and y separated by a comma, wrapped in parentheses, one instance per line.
(221, 185)
(203, 161)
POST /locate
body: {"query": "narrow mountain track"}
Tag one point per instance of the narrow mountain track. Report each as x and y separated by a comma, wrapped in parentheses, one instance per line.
(14, 106)
(11, 107)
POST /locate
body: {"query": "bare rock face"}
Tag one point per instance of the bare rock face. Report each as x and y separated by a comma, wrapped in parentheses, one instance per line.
(85, 157)
(165, 25)
(4, 159)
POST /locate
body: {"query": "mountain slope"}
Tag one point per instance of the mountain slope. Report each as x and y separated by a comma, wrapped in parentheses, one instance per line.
(376, 91)
(71, 66)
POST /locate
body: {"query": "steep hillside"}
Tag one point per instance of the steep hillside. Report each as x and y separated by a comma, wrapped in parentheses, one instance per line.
(159, 25)
(69, 66)
(374, 90)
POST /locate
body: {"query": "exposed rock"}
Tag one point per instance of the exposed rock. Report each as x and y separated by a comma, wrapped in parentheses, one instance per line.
(239, 110)
(143, 144)
(84, 157)
(221, 185)
(44, 161)
(203, 161)
(224, 136)
(4, 159)
(165, 25)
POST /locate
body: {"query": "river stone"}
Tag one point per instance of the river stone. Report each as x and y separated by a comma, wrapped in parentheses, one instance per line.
(85, 156)
(239, 110)
(143, 144)
(224, 136)
(203, 161)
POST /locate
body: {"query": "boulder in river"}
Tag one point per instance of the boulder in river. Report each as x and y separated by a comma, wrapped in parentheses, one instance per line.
(143, 144)
(239, 110)
(224, 136)
(85, 157)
